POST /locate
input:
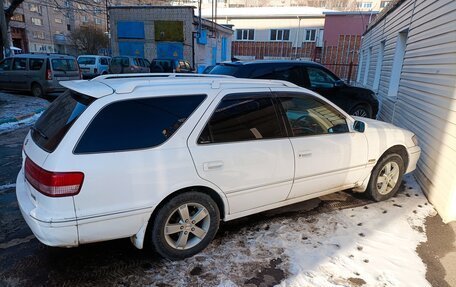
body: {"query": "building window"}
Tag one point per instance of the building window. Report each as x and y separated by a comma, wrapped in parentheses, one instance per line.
(37, 21)
(68, 27)
(38, 35)
(84, 19)
(383, 4)
(378, 67)
(35, 8)
(67, 4)
(58, 20)
(17, 17)
(245, 34)
(280, 35)
(397, 64)
(366, 5)
(97, 11)
(97, 1)
(311, 35)
(98, 21)
(367, 68)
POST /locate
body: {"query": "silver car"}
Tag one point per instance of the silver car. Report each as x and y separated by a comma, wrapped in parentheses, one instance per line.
(39, 74)
(128, 64)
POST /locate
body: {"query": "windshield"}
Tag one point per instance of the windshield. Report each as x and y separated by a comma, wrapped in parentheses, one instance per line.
(52, 126)
(86, 60)
(64, 65)
(225, 70)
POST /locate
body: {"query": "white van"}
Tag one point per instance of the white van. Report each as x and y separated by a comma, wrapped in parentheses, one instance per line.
(93, 65)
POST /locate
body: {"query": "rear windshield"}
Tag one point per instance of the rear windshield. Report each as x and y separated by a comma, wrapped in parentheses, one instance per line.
(64, 65)
(52, 126)
(120, 62)
(224, 70)
(86, 61)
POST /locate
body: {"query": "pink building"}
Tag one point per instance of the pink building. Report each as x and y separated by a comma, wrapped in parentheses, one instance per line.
(345, 23)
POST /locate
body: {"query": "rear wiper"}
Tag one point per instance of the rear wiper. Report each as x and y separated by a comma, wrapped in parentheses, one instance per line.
(35, 129)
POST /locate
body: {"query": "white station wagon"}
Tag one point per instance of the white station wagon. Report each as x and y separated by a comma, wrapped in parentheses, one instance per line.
(163, 158)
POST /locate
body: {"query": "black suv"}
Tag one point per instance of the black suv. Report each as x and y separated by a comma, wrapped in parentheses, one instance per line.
(354, 100)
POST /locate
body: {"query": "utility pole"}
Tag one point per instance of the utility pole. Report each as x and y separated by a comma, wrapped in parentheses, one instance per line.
(4, 32)
(108, 29)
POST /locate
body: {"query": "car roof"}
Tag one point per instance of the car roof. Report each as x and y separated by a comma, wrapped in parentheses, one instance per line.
(41, 55)
(105, 85)
(264, 62)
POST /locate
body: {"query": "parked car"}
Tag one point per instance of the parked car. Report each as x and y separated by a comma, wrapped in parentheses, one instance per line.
(162, 161)
(38, 73)
(128, 64)
(208, 69)
(354, 100)
(170, 66)
(93, 65)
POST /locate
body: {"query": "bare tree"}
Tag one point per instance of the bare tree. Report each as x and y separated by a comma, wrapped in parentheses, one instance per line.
(4, 24)
(88, 39)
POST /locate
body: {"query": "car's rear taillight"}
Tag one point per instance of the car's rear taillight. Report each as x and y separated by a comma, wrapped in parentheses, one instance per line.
(53, 184)
(48, 74)
(80, 74)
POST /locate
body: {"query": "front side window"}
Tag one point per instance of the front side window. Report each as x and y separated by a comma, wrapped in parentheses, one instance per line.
(137, 124)
(20, 64)
(103, 61)
(308, 116)
(242, 117)
(319, 78)
(5, 65)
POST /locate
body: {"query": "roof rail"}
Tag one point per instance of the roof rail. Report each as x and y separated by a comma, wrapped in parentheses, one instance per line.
(158, 75)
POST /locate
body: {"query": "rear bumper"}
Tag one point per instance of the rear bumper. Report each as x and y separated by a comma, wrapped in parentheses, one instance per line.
(414, 155)
(49, 233)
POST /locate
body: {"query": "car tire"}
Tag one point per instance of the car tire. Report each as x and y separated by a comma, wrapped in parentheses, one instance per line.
(361, 110)
(184, 225)
(37, 90)
(386, 177)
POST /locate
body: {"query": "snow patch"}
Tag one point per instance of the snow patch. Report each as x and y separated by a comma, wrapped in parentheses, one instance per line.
(6, 127)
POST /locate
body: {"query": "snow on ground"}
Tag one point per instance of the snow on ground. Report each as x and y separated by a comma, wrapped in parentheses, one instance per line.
(372, 245)
(6, 127)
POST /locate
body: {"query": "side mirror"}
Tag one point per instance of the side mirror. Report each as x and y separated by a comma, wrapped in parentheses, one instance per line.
(339, 83)
(359, 126)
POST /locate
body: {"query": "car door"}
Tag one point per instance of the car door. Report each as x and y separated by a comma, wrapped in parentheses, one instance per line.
(240, 146)
(328, 153)
(5, 69)
(19, 74)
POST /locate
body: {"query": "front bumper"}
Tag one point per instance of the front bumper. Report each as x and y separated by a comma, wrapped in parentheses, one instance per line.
(414, 155)
(49, 233)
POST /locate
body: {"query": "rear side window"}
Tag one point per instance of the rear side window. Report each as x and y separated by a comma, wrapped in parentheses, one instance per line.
(229, 70)
(103, 61)
(136, 124)
(52, 126)
(291, 74)
(36, 64)
(64, 65)
(242, 117)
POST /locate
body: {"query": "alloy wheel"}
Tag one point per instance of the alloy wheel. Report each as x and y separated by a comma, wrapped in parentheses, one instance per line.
(388, 177)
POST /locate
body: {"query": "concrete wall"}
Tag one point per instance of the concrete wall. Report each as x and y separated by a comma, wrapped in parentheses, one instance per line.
(425, 102)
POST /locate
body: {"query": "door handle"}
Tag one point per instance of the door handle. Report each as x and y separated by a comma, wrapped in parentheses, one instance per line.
(305, 153)
(212, 165)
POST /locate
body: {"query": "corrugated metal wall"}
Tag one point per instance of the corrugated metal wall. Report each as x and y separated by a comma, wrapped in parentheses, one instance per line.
(426, 100)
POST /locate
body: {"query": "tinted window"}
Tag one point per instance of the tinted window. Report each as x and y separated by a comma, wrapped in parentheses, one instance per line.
(286, 73)
(64, 65)
(136, 124)
(121, 61)
(319, 78)
(86, 60)
(103, 61)
(52, 126)
(309, 116)
(20, 64)
(36, 64)
(225, 70)
(241, 117)
(5, 64)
